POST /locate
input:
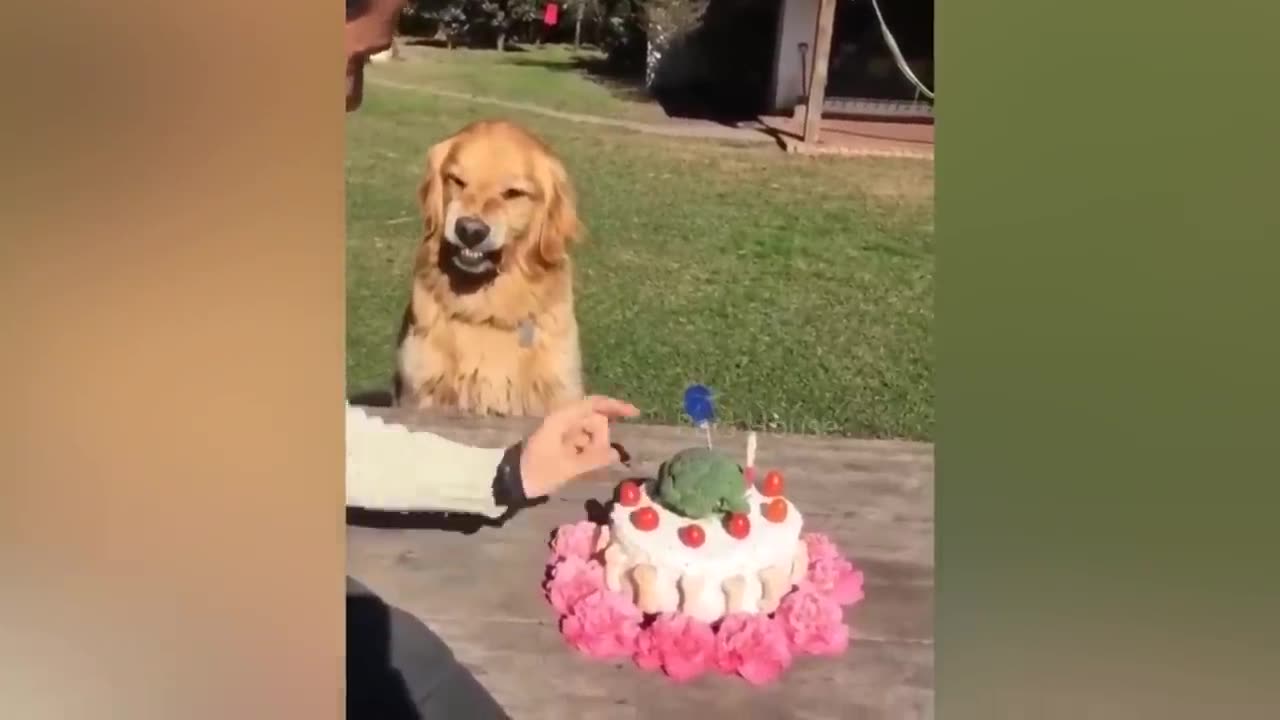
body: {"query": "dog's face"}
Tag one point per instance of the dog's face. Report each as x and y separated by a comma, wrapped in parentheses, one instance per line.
(496, 197)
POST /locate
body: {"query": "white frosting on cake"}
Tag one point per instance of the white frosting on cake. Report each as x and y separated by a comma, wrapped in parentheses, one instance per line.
(724, 574)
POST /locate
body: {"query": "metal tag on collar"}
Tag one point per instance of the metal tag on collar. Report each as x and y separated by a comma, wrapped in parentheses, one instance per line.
(525, 332)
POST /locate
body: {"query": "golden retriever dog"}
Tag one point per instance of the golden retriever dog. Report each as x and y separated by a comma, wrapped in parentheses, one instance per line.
(490, 328)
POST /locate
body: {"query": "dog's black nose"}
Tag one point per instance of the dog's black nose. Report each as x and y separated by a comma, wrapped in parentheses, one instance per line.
(471, 231)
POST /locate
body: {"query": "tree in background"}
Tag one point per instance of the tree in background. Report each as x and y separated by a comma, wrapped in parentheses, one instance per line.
(447, 19)
(623, 28)
(622, 35)
(458, 21)
(695, 56)
(593, 10)
(505, 17)
(668, 23)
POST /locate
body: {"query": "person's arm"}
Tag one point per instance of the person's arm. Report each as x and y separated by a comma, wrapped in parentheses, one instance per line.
(391, 468)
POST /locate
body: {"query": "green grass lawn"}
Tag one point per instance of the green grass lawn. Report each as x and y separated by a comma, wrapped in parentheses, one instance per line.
(550, 76)
(799, 289)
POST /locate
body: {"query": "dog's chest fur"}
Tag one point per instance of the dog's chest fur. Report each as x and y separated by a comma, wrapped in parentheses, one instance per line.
(489, 364)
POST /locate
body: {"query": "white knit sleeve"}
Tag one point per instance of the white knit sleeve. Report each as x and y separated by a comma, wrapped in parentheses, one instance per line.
(391, 468)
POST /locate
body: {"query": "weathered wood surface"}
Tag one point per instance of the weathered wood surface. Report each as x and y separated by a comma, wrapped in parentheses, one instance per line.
(481, 591)
(817, 90)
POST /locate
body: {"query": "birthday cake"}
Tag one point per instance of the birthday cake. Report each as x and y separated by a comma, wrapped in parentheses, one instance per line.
(701, 569)
(703, 541)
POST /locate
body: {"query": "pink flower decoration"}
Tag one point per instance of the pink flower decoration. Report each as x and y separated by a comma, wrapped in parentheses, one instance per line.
(573, 579)
(603, 625)
(754, 647)
(836, 579)
(813, 623)
(684, 647)
(575, 540)
(820, 547)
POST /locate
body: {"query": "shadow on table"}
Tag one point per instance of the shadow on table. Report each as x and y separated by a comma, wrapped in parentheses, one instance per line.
(445, 522)
(372, 398)
(598, 512)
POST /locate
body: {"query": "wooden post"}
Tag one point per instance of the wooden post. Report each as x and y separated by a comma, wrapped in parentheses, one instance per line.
(817, 92)
(577, 25)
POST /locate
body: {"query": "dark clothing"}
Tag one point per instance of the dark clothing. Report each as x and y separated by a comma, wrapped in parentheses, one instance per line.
(508, 483)
(398, 669)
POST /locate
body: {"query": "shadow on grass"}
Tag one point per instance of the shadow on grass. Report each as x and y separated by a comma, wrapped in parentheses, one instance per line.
(462, 45)
(624, 84)
(426, 42)
(693, 103)
(471, 43)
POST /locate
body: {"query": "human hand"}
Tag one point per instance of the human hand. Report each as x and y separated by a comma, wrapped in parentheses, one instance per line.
(570, 442)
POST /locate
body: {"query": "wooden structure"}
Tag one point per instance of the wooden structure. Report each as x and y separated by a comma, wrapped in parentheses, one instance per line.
(817, 89)
(481, 591)
(808, 25)
(802, 85)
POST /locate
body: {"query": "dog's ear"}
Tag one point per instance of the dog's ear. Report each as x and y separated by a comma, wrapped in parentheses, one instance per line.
(431, 191)
(561, 228)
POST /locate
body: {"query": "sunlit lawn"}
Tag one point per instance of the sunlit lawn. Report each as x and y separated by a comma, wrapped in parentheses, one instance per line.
(799, 289)
(549, 76)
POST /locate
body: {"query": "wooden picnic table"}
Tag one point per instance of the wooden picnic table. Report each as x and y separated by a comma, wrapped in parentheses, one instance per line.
(481, 591)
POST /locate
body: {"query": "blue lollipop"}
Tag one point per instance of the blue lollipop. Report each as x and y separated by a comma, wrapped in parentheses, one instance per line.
(700, 409)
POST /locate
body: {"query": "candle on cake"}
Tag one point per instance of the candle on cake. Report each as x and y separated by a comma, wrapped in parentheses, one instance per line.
(700, 409)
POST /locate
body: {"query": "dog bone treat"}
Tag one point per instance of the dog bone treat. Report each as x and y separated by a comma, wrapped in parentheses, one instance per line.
(615, 564)
(691, 586)
(775, 582)
(698, 540)
(646, 592)
(799, 566)
(734, 588)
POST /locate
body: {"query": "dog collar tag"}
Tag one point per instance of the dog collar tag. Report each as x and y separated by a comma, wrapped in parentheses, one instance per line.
(525, 332)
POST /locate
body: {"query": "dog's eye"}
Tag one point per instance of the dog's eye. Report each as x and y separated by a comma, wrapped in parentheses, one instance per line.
(514, 193)
(455, 180)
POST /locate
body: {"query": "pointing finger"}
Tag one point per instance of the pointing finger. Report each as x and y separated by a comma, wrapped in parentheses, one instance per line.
(611, 407)
(593, 405)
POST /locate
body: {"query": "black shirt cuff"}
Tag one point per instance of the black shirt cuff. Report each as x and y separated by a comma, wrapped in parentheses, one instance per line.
(508, 485)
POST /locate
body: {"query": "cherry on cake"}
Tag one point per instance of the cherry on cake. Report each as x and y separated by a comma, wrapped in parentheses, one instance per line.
(701, 540)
